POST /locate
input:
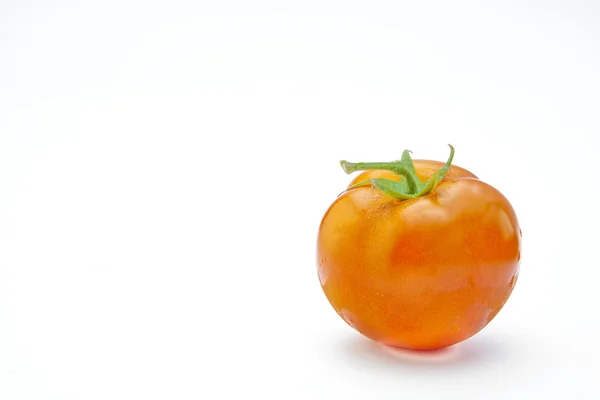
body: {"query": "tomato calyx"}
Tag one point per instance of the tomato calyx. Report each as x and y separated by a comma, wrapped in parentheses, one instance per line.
(408, 188)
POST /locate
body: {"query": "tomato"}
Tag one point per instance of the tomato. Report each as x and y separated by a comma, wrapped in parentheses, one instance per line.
(418, 269)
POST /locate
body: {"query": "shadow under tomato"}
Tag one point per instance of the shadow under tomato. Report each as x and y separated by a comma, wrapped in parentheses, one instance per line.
(477, 351)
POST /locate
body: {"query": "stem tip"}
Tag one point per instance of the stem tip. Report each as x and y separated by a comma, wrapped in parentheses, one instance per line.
(346, 166)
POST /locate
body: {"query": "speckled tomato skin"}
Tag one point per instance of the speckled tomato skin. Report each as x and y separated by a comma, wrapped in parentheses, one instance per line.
(424, 273)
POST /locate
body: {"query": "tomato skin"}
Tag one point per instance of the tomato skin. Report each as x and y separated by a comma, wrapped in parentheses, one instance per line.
(424, 168)
(424, 273)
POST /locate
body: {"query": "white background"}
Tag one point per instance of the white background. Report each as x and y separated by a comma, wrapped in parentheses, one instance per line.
(164, 166)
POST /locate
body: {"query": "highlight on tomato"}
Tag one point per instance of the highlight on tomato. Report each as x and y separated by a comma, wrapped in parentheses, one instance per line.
(418, 254)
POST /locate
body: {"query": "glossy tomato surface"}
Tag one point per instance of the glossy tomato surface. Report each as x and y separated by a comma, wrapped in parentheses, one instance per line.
(423, 273)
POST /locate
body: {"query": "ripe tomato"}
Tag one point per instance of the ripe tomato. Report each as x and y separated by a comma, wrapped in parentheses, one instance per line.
(416, 268)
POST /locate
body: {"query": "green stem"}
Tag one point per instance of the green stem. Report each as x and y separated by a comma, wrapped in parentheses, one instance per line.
(411, 187)
(397, 167)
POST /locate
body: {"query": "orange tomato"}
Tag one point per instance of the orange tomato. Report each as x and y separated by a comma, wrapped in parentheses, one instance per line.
(420, 273)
